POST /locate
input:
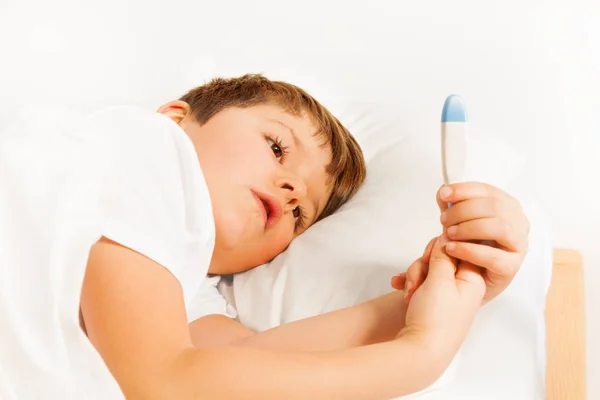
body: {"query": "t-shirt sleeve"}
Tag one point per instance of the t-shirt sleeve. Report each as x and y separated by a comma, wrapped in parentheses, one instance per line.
(144, 199)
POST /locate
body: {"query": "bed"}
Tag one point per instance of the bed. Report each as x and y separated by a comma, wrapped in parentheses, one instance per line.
(565, 328)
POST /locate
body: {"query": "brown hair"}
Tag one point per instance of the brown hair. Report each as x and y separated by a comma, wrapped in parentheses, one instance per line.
(347, 168)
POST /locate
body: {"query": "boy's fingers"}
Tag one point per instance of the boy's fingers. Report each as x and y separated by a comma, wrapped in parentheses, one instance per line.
(415, 275)
(467, 271)
(443, 191)
(440, 264)
(495, 229)
(477, 208)
(416, 272)
(457, 192)
(468, 276)
(495, 260)
(427, 252)
(398, 281)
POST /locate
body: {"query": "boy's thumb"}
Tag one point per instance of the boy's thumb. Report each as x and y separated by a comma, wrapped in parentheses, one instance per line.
(440, 264)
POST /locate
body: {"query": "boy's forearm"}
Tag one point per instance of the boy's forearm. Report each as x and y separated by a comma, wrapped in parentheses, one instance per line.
(371, 322)
(374, 321)
(380, 371)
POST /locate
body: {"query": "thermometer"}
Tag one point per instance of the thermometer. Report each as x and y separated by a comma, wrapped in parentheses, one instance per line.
(454, 140)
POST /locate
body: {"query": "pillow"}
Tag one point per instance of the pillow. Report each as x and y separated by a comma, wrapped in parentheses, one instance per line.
(381, 230)
(350, 257)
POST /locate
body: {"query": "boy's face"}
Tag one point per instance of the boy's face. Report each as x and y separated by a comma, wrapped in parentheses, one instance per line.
(265, 171)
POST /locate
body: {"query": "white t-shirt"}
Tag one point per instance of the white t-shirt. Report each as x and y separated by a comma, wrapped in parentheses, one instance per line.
(125, 173)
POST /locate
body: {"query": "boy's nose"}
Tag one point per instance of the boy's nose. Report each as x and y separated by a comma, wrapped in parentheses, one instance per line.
(293, 189)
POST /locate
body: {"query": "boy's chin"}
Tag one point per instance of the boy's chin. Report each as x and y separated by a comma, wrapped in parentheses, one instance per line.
(233, 263)
(242, 255)
(235, 229)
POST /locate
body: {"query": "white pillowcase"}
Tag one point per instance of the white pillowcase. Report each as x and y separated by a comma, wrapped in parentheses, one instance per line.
(350, 257)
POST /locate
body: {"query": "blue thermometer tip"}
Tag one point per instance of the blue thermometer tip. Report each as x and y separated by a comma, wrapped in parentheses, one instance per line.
(454, 110)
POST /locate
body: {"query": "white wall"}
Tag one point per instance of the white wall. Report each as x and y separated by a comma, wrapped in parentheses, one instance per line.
(530, 73)
(570, 191)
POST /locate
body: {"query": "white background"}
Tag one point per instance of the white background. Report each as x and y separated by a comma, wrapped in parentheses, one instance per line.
(530, 73)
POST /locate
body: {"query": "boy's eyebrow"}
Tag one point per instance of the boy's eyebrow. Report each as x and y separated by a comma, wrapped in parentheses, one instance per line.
(297, 141)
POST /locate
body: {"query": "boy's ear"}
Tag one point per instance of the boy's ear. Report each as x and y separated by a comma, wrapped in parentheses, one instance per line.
(176, 110)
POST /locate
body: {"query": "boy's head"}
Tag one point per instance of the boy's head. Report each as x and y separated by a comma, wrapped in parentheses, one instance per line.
(275, 162)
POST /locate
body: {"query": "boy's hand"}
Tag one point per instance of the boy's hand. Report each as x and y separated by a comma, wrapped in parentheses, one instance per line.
(486, 227)
(416, 273)
(443, 307)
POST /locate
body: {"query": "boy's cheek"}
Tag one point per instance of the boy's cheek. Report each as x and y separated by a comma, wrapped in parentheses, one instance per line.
(276, 241)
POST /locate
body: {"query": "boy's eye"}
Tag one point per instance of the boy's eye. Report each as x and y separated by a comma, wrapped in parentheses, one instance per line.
(276, 148)
(299, 216)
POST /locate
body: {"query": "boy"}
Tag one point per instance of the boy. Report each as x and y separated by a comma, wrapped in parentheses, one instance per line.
(129, 213)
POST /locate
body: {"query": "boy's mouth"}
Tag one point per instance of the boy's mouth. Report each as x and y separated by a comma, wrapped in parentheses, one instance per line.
(269, 207)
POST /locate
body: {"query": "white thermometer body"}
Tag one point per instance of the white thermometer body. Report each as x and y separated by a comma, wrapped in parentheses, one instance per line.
(454, 140)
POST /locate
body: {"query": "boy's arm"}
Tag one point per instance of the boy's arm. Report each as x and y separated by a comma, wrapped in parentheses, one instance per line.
(371, 322)
(134, 314)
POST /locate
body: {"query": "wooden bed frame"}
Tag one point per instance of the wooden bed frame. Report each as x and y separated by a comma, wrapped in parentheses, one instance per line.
(565, 328)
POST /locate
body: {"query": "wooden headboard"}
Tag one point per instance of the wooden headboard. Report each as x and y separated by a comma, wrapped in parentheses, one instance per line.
(565, 328)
